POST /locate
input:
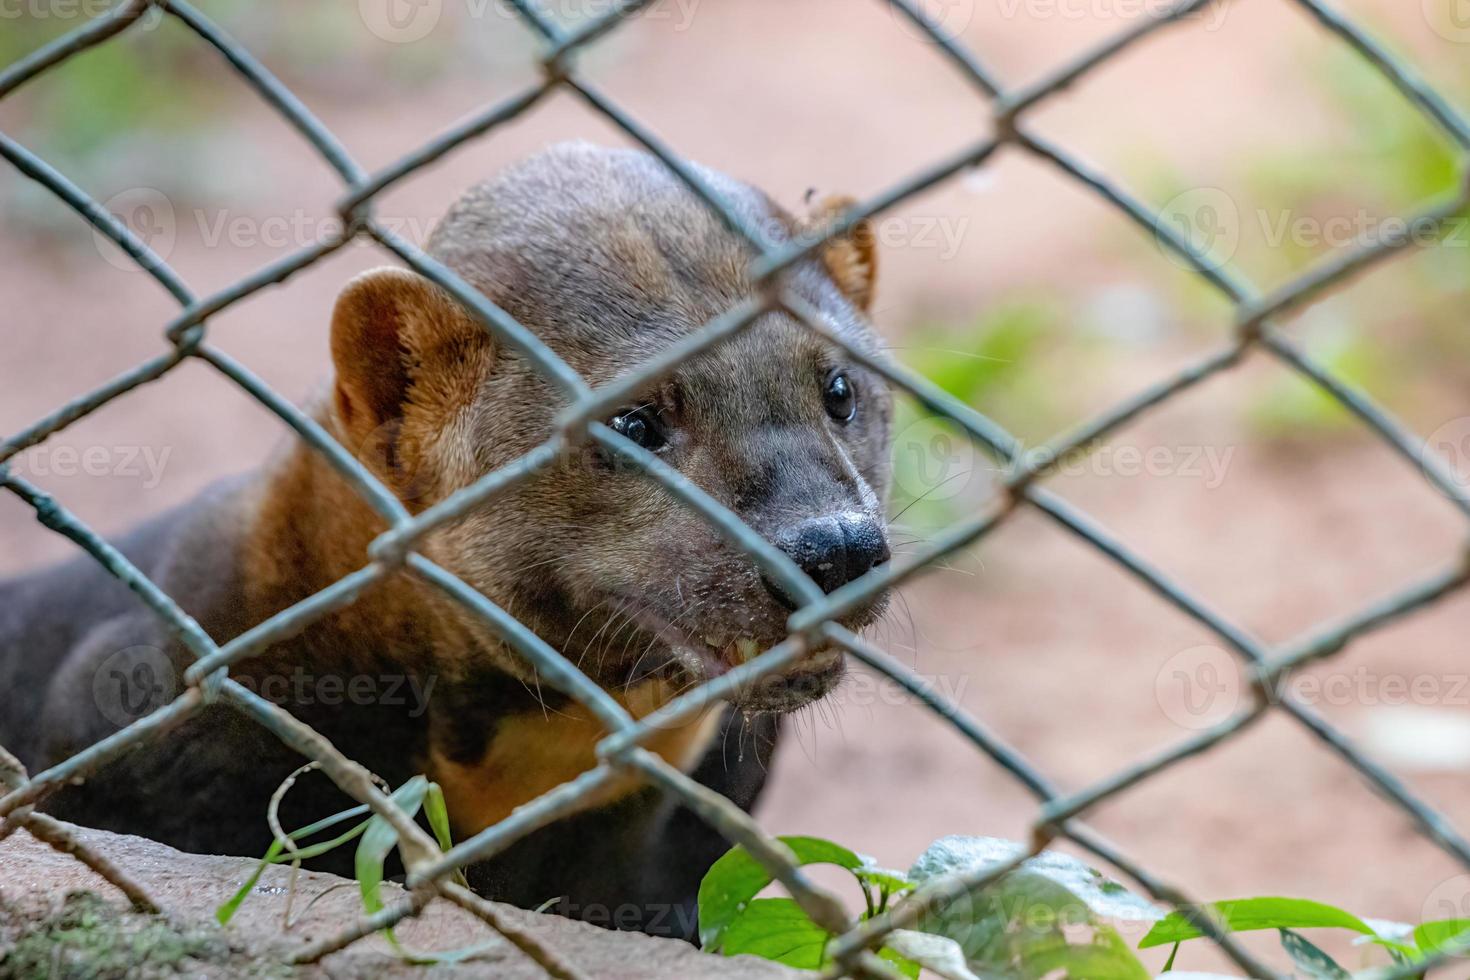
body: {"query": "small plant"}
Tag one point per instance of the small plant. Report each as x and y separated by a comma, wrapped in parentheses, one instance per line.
(1047, 915)
(1052, 917)
(376, 840)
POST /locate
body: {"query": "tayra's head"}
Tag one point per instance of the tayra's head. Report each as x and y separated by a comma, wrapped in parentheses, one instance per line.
(608, 258)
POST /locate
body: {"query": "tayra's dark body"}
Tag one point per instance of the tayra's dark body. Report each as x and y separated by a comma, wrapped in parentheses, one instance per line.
(608, 260)
(205, 787)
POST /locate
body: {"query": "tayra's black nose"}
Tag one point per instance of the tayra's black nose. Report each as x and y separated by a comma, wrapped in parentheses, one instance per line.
(833, 550)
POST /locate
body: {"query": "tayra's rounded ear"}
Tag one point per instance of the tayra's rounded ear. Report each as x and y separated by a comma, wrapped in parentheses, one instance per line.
(391, 326)
(851, 259)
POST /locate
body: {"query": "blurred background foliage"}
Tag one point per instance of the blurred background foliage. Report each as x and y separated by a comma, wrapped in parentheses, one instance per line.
(157, 92)
(1401, 337)
(1050, 309)
(109, 110)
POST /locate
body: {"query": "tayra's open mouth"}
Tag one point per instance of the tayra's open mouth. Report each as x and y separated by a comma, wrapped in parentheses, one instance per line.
(708, 654)
(705, 658)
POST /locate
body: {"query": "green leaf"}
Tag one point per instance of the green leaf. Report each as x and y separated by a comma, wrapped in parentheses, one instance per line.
(1309, 959)
(1040, 920)
(275, 854)
(937, 954)
(379, 839)
(1107, 957)
(887, 881)
(227, 911)
(776, 929)
(438, 813)
(1248, 914)
(1396, 937)
(1389, 930)
(1099, 894)
(1169, 963)
(1433, 937)
(736, 878)
(900, 962)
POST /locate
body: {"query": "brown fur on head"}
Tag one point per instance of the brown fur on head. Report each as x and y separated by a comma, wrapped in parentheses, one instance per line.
(607, 258)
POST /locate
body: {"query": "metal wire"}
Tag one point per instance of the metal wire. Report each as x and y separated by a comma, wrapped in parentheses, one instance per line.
(621, 752)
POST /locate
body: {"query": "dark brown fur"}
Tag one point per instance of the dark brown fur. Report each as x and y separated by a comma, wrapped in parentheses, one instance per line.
(607, 259)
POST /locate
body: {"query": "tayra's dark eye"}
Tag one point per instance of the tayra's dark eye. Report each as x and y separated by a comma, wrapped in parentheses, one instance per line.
(840, 397)
(641, 426)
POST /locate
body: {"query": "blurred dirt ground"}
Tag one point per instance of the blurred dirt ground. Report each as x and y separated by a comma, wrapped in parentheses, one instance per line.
(1055, 649)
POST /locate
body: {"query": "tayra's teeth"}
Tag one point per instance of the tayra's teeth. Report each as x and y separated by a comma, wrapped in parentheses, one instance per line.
(748, 649)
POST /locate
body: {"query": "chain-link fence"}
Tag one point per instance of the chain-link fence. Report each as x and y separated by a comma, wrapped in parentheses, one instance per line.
(813, 623)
